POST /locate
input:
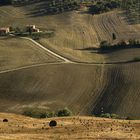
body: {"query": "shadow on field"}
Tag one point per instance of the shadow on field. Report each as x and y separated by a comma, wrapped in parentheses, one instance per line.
(108, 51)
(111, 96)
(39, 9)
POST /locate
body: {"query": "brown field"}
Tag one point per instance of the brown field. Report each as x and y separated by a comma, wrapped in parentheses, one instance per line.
(75, 31)
(16, 52)
(114, 22)
(85, 89)
(20, 127)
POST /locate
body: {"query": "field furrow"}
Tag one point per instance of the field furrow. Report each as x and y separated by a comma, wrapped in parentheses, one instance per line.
(114, 22)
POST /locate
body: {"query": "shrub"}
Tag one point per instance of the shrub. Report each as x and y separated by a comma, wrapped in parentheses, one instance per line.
(136, 59)
(104, 45)
(43, 113)
(134, 42)
(122, 43)
(64, 112)
(35, 112)
(106, 115)
(114, 116)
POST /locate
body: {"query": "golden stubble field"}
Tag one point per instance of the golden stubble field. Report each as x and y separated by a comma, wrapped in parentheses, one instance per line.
(24, 128)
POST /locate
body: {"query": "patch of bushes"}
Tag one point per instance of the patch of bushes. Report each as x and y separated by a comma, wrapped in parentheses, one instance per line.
(108, 115)
(114, 116)
(103, 6)
(106, 46)
(64, 112)
(136, 59)
(51, 6)
(43, 113)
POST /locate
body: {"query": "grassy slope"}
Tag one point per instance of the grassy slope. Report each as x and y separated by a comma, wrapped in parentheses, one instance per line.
(75, 86)
(16, 53)
(75, 31)
(83, 89)
(54, 86)
(20, 127)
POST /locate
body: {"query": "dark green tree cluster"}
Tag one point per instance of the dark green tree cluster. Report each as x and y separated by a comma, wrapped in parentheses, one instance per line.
(43, 113)
(132, 43)
(51, 6)
(108, 115)
(103, 6)
(5, 2)
(59, 6)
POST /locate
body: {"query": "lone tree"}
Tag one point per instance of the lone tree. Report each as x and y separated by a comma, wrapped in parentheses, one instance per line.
(114, 36)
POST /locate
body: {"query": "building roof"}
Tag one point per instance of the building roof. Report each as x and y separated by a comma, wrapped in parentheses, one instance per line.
(2, 29)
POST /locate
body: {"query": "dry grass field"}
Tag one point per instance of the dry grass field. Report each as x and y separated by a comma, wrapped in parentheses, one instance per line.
(86, 31)
(20, 127)
(85, 89)
(75, 31)
(37, 79)
(16, 52)
(114, 22)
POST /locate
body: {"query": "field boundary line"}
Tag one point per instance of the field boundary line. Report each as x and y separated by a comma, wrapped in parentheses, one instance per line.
(31, 66)
(48, 50)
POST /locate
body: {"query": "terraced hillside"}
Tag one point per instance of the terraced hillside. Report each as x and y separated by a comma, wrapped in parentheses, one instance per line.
(82, 88)
(16, 52)
(20, 127)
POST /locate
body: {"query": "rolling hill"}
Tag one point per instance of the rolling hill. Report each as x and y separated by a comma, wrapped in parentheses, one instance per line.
(84, 88)
(76, 31)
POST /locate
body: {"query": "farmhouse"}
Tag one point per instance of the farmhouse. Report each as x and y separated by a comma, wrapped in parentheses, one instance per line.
(4, 31)
(32, 28)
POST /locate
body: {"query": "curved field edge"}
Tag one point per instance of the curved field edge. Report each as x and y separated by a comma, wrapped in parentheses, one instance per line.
(16, 52)
(83, 89)
(20, 127)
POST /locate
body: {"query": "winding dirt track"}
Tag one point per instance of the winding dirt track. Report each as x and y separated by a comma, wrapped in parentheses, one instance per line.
(62, 58)
(49, 51)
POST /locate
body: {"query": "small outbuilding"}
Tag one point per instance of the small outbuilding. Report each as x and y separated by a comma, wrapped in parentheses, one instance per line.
(32, 28)
(4, 31)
